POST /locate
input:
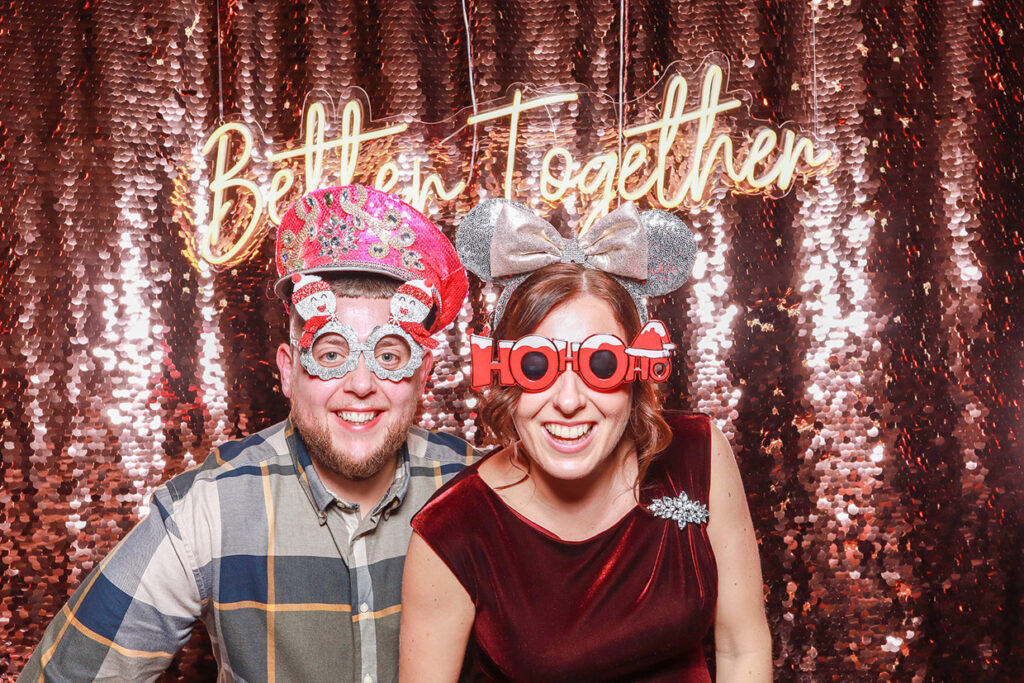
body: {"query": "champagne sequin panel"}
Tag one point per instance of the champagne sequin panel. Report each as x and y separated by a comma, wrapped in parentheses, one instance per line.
(858, 339)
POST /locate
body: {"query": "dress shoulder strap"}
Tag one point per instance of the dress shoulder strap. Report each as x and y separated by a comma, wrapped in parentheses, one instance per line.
(685, 466)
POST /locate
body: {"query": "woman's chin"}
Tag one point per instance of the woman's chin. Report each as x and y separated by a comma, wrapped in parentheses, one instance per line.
(566, 467)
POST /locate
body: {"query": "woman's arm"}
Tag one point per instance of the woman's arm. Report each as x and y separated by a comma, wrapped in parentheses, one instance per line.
(743, 644)
(437, 615)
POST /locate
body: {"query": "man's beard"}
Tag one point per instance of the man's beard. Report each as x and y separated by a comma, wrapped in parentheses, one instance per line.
(317, 437)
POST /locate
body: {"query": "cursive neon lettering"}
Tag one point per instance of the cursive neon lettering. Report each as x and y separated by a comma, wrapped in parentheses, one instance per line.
(672, 161)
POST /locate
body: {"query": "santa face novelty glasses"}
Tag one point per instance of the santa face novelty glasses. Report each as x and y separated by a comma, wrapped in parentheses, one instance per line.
(330, 349)
(603, 361)
(389, 352)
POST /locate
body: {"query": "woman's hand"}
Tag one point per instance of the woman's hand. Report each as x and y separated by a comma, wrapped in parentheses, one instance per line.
(437, 615)
(743, 644)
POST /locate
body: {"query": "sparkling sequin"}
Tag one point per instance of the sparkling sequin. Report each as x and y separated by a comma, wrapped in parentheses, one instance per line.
(859, 339)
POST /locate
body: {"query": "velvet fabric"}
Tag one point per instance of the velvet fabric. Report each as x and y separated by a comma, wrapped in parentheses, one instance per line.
(630, 603)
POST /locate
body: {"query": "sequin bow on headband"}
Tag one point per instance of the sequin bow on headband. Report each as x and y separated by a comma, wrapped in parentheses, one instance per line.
(650, 254)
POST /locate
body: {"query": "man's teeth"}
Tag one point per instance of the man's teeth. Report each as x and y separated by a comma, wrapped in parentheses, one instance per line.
(357, 417)
(566, 432)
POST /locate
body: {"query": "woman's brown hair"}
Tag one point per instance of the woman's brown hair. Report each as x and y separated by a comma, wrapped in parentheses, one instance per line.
(531, 302)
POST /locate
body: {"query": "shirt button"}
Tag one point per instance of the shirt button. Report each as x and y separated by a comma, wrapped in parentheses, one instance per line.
(364, 608)
(367, 678)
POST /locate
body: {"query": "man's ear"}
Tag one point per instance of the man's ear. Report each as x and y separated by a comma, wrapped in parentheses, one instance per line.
(284, 367)
(426, 369)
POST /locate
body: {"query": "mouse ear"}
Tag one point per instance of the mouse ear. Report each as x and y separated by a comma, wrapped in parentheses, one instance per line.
(671, 252)
(474, 235)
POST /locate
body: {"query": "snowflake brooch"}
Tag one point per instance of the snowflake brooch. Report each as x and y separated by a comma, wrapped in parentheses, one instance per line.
(681, 509)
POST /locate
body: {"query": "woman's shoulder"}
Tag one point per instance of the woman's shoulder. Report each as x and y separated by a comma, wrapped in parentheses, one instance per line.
(688, 425)
(685, 465)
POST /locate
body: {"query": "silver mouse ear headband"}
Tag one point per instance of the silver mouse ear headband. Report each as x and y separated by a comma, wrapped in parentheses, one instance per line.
(650, 254)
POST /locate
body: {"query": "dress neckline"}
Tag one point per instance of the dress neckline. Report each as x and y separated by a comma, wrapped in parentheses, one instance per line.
(546, 533)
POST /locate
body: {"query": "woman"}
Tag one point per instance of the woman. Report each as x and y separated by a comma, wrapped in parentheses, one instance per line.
(580, 551)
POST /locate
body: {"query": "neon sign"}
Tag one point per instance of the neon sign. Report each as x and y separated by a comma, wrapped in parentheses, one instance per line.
(674, 160)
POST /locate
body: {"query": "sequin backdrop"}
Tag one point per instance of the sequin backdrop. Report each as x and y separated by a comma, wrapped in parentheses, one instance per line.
(855, 338)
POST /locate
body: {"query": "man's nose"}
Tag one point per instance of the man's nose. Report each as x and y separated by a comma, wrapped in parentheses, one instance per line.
(360, 382)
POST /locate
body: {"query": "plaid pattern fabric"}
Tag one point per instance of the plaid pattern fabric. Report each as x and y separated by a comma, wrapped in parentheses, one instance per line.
(254, 544)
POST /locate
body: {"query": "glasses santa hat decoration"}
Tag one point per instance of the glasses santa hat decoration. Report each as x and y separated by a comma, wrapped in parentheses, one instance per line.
(314, 302)
(411, 307)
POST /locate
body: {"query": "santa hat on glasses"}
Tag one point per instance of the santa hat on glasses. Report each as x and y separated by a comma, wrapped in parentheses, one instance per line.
(304, 284)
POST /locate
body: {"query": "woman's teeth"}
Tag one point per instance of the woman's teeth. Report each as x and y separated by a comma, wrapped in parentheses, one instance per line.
(566, 433)
(358, 417)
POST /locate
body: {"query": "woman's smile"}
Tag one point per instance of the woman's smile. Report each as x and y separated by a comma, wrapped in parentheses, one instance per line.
(569, 438)
(571, 430)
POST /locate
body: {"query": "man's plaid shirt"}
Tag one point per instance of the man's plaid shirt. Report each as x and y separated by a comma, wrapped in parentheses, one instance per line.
(252, 543)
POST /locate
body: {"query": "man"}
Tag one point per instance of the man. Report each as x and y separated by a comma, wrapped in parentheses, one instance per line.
(290, 544)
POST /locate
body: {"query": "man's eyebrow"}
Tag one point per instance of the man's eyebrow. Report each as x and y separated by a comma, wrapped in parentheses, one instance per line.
(392, 340)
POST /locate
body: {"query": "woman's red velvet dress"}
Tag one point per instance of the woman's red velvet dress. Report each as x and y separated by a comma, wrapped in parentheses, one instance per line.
(631, 603)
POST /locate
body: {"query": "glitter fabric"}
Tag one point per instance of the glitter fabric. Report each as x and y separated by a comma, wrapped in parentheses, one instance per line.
(650, 254)
(366, 349)
(358, 228)
(858, 338)
(523, 243)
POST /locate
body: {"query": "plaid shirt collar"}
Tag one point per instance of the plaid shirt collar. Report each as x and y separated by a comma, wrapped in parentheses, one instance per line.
(318, 494)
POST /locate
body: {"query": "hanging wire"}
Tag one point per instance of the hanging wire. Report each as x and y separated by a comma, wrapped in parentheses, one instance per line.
(622, 78)
(220, 68)
(472, 88)
(814, 61)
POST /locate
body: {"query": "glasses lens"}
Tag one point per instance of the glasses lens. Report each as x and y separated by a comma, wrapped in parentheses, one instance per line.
(392, 352)
(535, 365)
(533, 362)
(330, 350)
(603, 363)
(660, 370)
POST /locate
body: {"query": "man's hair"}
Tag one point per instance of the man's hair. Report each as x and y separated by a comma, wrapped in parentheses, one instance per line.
(350, 286)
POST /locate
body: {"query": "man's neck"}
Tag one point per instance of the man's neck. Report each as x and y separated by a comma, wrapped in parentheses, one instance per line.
(365, 493)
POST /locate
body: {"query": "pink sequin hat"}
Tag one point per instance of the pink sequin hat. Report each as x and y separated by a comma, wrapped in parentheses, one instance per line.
(358, 228)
